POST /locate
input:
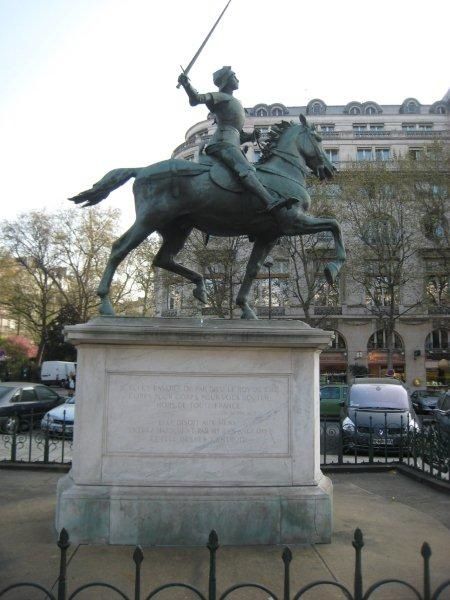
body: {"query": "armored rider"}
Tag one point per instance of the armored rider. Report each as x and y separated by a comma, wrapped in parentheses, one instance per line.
(225, 145)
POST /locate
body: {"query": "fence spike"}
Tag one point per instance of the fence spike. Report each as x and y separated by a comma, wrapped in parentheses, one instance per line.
(138, 555)
(287, 555)
(63, 540)
(358, 539)
(213, 540)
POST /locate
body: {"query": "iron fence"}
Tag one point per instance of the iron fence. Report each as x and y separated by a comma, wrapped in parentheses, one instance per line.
(425, 449)
(358, 592)
(25, 440)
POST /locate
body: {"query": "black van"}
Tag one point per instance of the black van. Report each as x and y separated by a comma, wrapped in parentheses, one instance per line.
(379, 414)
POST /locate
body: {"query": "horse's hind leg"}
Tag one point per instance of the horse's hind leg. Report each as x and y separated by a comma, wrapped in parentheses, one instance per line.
(120, 249)
(261, 249)
(173, 242)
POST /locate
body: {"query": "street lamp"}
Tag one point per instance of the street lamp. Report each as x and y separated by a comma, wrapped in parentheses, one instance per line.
(269, 264)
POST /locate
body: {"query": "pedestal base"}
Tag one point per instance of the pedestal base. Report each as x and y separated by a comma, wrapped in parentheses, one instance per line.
(174, 516)
(183, 426)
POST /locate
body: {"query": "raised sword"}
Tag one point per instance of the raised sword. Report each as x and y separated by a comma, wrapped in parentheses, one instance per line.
(197, 54)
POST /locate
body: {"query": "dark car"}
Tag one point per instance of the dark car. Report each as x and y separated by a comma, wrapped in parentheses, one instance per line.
(424, 401)
(332, 397)
(434, 444)
(378, 416)
(22, 404)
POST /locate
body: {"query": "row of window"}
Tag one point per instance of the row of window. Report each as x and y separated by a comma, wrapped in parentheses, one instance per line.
(409, 106)
(438, 339)
(370, 153)
(365, 127)
(362, 154)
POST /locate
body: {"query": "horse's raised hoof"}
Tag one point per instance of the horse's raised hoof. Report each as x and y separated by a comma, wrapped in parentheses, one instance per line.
(106, 308)
(200, 294)
(248, 314)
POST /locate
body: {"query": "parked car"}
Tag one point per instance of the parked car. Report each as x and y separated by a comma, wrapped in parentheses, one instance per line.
(442, 414)
(332, 398)
(23, 404)
(378, 416)
(424, 401)
(59, 420)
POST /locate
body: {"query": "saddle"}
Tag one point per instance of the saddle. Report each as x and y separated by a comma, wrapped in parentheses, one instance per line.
(221, 175)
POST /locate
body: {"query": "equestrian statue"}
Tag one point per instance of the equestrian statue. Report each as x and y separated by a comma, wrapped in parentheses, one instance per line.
(223, 194)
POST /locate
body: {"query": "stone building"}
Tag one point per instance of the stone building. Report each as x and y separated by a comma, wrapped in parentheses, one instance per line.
(358, 131)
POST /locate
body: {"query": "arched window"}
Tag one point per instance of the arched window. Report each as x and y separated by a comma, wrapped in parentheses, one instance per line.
(355, 110)
(338, 342)
(411, 107)
(377, 341)
(440, 110)
(370, 110)
(261, 112)
(277, 111)
(316, 108)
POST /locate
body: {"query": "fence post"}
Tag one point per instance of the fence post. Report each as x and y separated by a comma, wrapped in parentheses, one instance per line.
(46, 445)
(14, 445)
(426, 554)
(213, 545)
(341, 443)
(287, 557)
(138, 557)
(358, 544)
(63, 543)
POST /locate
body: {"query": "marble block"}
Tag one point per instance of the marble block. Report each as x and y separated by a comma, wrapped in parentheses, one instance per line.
(184, 425)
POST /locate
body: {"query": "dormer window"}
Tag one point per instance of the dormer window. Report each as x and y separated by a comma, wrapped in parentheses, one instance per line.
(261, 112)
(410, 106)
(316, 107)
(355, 110)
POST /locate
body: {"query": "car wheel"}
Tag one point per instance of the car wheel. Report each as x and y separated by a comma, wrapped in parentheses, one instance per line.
(12, 425)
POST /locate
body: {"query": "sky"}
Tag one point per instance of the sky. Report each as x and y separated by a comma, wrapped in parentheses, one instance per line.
(87, 86)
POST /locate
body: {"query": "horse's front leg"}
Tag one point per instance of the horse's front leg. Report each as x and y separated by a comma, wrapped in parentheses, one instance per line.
(306, 224)
(261, 249)
(120, 249)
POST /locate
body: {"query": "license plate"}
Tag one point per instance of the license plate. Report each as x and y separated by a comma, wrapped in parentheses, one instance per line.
(382, 442)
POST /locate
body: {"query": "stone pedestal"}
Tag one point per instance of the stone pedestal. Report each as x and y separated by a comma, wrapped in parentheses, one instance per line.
(183, 426)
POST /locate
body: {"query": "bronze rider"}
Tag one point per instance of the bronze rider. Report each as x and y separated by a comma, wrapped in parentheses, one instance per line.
(225, 145)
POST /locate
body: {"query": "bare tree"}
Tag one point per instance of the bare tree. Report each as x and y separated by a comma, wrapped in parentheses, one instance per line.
(381, 216)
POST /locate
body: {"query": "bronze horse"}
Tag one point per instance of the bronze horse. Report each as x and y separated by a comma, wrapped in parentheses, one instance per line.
(174, 196)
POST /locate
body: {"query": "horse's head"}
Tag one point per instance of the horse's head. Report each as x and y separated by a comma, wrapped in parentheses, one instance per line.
(310, 147)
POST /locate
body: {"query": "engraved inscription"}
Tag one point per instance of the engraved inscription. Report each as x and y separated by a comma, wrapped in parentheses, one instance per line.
(189, 414)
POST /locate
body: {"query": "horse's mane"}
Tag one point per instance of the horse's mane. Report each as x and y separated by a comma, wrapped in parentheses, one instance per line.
(273, 137)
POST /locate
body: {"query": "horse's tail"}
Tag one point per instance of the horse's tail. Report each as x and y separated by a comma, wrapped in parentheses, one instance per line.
(101, 190)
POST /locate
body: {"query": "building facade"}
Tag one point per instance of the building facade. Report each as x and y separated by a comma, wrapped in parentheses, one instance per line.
(356, 132)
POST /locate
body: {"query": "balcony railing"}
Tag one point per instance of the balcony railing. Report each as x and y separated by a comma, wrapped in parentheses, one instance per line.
(328, 310)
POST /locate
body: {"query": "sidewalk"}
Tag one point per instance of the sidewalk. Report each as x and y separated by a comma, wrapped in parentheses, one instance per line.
(396, 515)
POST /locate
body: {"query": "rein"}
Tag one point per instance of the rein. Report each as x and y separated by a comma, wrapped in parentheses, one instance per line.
(280, 153)
(274, 172)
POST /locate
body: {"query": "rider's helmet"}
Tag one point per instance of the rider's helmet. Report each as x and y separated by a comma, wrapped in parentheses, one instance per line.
(222, 76)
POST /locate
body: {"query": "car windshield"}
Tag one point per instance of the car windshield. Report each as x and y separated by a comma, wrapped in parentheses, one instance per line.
(70, 400)
(330, 393)
(430, 393)
(379, 396)
(4, 391)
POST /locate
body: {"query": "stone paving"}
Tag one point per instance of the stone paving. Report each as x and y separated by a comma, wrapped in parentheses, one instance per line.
(396, 515)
